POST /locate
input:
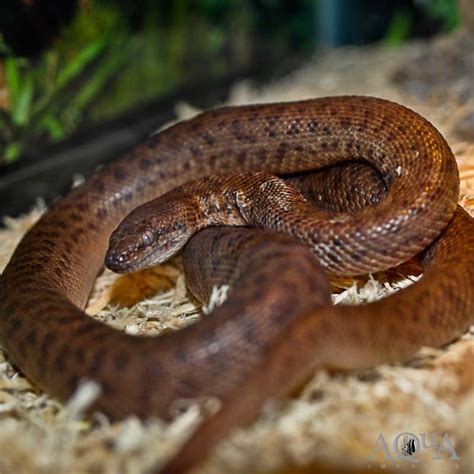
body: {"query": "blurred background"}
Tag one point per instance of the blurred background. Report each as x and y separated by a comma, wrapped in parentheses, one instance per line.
(83, 80)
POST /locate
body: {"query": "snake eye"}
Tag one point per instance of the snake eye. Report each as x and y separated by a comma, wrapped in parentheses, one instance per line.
(148, 238)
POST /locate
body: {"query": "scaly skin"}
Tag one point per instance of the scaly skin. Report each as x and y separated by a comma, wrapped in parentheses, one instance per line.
(431, 312)
(46, 284)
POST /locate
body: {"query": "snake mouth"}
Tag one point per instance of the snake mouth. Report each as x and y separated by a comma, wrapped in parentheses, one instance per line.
(118, 262)
(123, 258)
(127, 263)
(126, 254)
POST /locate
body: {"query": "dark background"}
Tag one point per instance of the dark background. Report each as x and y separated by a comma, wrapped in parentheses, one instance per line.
(83, 80)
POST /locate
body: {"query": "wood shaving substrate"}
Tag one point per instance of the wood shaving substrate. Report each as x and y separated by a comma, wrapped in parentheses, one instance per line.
(336, 419)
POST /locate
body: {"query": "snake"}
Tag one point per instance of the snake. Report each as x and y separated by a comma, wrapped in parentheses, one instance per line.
(360, 183)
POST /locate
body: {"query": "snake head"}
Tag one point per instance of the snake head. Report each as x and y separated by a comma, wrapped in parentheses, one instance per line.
(149, 235)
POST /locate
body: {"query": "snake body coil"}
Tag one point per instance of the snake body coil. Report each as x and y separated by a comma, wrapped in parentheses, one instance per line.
(47, 282)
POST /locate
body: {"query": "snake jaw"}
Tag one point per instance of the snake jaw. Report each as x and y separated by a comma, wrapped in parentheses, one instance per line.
(124, 252)
(150, 234)
(130, 255)
(134, 247)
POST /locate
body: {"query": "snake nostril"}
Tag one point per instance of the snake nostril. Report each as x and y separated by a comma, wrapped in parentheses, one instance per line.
(114, 260)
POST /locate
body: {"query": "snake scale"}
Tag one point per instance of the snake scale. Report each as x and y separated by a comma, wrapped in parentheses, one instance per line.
(278, 325)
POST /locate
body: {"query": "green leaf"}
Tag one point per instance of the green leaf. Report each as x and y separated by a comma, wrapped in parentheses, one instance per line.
(399, 28)
(52, 125)
(445, 10)
(12, 77)
(12, 151)
(79, 63)
(48, 102)
(21, 107)
(95, 84)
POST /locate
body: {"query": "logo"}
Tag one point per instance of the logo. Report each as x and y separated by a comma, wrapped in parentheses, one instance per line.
(413, 449)
(409, 446)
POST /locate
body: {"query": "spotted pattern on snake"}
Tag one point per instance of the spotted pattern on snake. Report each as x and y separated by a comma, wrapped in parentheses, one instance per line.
(245, 358)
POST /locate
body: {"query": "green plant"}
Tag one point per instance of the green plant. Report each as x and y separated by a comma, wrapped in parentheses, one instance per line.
(156, 45)
(49, 96)
(445, 11)
(399, 28)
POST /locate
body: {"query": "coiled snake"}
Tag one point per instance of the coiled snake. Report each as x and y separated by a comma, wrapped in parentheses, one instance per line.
(278, 325)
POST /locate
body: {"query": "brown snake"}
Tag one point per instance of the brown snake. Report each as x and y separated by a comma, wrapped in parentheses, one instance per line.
(243, 355)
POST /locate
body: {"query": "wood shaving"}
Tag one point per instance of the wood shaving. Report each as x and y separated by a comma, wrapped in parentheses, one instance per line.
(336, 418)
